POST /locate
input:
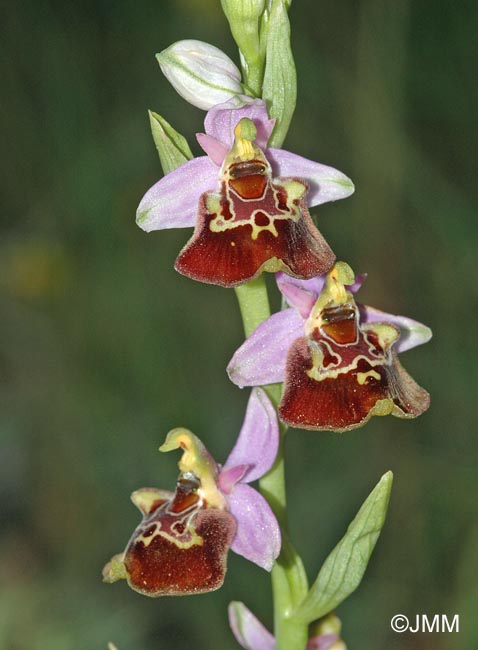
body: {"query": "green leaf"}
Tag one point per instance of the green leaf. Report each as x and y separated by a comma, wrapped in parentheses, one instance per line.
(280, 81)
(172, 147)
(343, 570)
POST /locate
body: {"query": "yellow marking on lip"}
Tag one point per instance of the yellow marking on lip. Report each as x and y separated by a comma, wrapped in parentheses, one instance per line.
(145, 498)
(363, 376)
(387, 334)
(147, 539)
(219, 225)
(186, 520)
(196, 540)
(256, 230)
(319, 373)
(295, 191)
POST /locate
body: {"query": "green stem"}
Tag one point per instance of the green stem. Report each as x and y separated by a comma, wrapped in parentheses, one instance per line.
(289, 581)
(255, 75)
(253, 303)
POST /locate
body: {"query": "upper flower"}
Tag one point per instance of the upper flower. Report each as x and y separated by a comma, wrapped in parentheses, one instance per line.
(338, 359)
(248, 203)
(181, 545)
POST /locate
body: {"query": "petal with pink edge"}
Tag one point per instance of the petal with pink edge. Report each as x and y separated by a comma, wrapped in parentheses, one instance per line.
(325, 183)
(221, 121)
(173, 201)
(300, 294)
(262, 357)
(258, 536)
(248, 630)
(258, 440)
(359, 280)
(228, 477)
(412, 333)
(214, 149)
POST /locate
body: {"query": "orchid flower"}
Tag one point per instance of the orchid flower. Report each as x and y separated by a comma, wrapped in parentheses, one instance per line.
(338, 360)
(181, 545)
(252, 635)
(248, 203)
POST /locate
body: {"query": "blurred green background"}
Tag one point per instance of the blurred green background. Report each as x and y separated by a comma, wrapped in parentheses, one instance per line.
(104, 348)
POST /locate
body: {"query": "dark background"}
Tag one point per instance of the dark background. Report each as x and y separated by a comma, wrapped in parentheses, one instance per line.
(104, 348)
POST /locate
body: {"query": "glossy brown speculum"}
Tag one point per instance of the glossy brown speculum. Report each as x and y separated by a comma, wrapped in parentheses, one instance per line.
(249, 187)
(340, 323)
(246, 168)
(254, 223)
(186, 493)
(248, 179)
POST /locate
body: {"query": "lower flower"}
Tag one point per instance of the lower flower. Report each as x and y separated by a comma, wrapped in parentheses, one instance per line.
(252, 635)
(181, 545)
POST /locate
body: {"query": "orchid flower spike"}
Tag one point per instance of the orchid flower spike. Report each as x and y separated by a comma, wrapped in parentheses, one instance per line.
(337, 359)
(249, 204)
(181, 545)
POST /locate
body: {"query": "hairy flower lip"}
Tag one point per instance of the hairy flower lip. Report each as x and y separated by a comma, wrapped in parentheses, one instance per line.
(213, 509)
(347, 401)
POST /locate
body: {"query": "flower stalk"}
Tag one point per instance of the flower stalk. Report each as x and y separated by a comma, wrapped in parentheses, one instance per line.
(289, 580)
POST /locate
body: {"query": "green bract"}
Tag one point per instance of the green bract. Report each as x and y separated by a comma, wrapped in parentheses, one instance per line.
(280, 80)
(343, 570)
(172, 147)
(245, 18)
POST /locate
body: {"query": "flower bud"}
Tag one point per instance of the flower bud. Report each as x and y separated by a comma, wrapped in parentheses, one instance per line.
(327, 632)
(244, 18)
(201, 73)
